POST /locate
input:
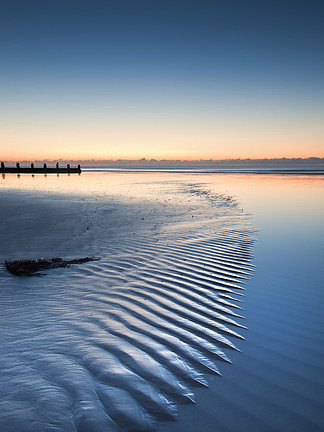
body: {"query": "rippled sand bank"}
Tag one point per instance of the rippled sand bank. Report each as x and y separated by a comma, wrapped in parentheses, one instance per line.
(120, 342)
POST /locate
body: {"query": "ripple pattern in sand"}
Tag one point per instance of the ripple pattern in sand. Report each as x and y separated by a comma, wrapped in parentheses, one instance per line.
(117, 344)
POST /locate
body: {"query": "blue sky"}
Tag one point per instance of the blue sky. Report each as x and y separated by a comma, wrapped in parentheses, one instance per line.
(158, 78)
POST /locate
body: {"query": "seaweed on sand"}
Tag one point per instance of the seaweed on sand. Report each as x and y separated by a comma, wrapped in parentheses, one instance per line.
(32, 267)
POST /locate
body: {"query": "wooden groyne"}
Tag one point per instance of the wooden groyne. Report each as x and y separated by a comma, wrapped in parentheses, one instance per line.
(39, 170)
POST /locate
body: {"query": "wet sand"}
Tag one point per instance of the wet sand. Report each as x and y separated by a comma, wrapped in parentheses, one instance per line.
(127, 342)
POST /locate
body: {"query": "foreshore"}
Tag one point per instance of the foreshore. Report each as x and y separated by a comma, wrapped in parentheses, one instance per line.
(137, 328)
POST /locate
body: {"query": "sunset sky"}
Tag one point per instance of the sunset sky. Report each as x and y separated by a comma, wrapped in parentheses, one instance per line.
(105, 79)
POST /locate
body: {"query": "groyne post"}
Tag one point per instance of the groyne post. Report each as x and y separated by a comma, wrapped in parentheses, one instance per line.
(35, 170)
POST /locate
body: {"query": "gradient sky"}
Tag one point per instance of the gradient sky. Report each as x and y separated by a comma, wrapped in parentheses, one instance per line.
(161, 79)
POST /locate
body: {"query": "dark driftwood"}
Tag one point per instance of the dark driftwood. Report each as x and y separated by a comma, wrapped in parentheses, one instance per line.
(32, 267)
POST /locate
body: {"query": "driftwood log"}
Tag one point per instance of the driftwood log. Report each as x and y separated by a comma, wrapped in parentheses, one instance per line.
(32, 267)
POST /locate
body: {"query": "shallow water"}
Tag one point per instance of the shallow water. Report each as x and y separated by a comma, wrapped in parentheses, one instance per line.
(123, 343)
(277, 382)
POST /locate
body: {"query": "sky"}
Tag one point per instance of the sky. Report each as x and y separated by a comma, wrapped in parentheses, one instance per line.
(163, 79)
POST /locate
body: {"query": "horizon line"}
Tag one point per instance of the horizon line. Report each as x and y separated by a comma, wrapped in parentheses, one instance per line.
(318, 161)
(167, 159)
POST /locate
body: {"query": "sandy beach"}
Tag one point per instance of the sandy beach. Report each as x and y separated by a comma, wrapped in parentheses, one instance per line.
(200, 275)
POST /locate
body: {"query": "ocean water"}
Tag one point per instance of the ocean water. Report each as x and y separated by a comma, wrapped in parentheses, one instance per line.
(138, 340)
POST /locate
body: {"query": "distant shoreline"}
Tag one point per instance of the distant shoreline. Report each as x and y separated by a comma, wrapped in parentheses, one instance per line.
(212, 170)
(234, 164)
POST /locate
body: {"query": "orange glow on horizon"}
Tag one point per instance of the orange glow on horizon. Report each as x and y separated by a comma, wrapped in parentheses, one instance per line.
(56, 154)
(176, 146)
(219, 157)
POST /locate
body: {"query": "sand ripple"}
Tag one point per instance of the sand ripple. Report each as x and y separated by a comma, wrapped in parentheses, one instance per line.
(116, 344)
